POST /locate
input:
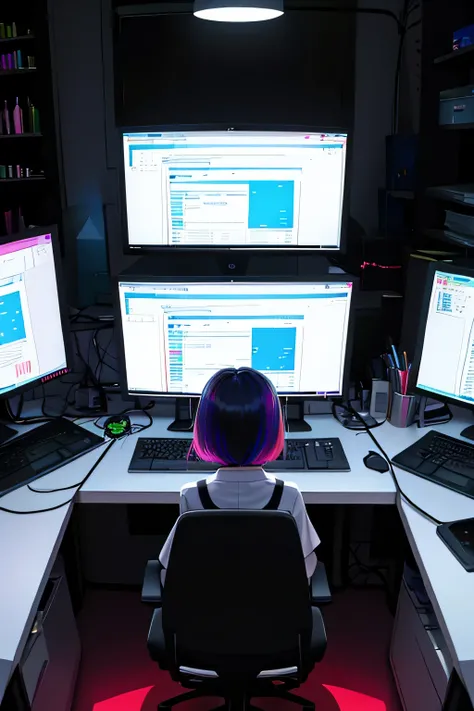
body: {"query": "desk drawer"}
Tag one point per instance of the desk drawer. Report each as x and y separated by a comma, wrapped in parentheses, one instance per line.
(50, 662)
(419, 660)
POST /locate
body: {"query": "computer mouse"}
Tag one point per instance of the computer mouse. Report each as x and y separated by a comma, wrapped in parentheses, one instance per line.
(375, 461)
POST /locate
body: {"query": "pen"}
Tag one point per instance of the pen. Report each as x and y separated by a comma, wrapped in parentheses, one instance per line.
(395, 356)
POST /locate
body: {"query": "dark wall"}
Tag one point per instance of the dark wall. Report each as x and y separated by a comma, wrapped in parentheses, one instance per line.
(181, 70)
(299, 70)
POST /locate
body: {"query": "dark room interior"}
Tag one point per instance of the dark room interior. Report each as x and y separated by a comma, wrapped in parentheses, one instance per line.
(237, 355)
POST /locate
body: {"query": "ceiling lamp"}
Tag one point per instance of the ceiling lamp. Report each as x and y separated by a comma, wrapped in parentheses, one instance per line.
(238, 10)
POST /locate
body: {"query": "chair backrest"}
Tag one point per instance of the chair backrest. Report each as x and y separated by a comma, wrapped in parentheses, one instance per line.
(236, 585)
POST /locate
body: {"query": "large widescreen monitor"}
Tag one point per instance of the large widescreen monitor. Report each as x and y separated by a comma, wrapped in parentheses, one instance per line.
(446, 346)
(32, 320)
(176, 335)
(234, 189)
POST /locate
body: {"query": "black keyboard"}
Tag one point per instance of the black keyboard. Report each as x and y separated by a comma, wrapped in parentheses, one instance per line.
(442, 459)
(169, 454)
(41, 451)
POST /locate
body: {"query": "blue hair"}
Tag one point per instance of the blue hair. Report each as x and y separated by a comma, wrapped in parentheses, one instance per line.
(239, 420)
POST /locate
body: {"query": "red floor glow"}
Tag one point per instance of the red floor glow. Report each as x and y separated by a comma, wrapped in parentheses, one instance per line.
(117, 675)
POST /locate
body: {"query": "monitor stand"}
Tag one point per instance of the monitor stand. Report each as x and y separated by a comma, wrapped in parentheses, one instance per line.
(186, 407)
(293, 414)
(231, 263)
(184, 414)
(6, 433)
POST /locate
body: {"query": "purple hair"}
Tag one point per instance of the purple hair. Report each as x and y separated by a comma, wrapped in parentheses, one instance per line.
(239, 420)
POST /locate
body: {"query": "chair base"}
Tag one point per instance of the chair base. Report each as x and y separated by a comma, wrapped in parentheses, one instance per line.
(240, 700)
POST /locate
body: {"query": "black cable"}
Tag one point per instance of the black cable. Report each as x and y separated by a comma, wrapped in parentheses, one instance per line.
(65, 406)
(24, 420)
(413, 24)
(375, 569)
(144, 409)
(68, 501)
(101, 358)
(348, 408)
(88, 370)
(396, 92)
(64, 488)
(394, 476)
(81, 314)
(292, 8)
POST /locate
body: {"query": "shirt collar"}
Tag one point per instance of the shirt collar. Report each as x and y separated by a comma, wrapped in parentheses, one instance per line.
(241, 474)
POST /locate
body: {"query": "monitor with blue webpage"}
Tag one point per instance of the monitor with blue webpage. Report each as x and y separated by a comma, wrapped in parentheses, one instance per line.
(240, 189)
(177, 335)
(446, 368)
(32, 344)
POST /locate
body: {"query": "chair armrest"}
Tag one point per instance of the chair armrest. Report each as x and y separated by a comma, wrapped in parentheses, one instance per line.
(320, 592)
(152, 590)
(318, 641)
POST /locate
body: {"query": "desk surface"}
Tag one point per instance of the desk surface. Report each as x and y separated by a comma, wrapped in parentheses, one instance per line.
(34, 540)
(111, 482)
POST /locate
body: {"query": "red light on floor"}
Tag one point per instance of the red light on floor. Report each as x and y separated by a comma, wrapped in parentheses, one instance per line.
(131, 701)
(354, 701)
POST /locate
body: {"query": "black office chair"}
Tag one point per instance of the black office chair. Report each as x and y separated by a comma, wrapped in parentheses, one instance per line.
(236, 612)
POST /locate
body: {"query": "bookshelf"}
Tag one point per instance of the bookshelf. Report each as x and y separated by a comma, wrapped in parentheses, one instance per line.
(29, 186)
(445, 166)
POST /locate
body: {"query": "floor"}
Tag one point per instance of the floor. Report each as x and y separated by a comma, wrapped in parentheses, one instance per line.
(117, 675)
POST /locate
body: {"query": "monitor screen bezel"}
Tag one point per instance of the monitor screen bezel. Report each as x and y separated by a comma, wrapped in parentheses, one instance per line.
(457, 696)
(63, 311)
(328, 278)
(432, 269)
(138, 250)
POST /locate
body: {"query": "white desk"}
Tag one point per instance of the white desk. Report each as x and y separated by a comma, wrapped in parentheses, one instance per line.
(29, 544)
(111, 482)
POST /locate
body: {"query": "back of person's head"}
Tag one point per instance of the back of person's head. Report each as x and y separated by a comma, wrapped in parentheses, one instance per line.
(238, 421)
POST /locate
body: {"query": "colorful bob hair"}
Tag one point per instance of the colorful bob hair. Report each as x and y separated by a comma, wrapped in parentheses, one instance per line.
(239, 421)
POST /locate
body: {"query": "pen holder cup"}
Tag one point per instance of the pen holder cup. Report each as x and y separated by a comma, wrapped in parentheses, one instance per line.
(402, 410)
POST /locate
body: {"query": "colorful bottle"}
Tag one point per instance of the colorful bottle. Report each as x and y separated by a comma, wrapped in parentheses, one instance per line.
(6, 118)
(18, 118)
(34, 119)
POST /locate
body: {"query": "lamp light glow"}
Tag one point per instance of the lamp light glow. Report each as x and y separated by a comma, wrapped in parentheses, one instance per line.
(238, 10)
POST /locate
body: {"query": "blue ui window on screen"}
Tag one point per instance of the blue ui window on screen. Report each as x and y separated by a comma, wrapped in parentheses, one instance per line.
(31, 335)
(12, 325)
(273, 349)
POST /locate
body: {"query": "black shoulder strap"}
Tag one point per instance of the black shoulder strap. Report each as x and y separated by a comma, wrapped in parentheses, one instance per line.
(203, 491)
(275, 499)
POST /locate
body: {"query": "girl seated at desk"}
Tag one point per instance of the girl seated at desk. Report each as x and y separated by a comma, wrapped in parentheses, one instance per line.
(239, 425)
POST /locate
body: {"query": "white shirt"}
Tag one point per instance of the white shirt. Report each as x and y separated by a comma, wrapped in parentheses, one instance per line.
(250, 488)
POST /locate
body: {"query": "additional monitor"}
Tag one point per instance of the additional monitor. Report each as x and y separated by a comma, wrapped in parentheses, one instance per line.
(32, 344)
(446, 367)
(176, 335)
(241, 189)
